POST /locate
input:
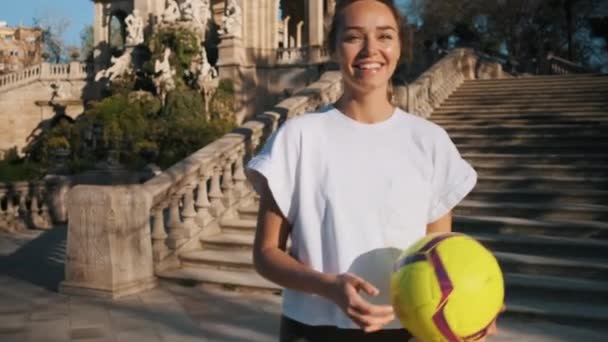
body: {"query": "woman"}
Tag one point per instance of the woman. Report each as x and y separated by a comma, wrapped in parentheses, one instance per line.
(352, 186)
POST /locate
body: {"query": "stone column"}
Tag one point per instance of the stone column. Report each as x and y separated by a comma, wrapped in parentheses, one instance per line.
(314, 20)
(100, 36)
(109, 247)
(299, 34)
(286, 32)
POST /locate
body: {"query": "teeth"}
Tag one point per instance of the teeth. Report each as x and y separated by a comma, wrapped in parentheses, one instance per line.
(369, 66)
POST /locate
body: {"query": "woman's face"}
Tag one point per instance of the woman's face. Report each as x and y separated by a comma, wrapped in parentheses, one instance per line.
(367, 45)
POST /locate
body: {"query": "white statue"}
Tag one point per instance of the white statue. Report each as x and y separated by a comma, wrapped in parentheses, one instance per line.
(135, 28)
(171, 13)
(188, 9)
(207, 79)
(233, 19)
(119, 66)
(164, 75)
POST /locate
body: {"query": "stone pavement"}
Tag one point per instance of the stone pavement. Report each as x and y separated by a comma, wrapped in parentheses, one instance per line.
(31, 310)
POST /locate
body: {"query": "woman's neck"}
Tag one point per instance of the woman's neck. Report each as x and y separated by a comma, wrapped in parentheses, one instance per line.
(369, 108)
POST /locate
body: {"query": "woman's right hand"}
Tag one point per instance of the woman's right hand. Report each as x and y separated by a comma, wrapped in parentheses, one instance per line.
(345, 293)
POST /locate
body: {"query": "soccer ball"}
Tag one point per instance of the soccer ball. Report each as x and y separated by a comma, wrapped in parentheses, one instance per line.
(447, 287)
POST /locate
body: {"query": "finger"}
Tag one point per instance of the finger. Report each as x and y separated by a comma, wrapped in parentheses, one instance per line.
(368, 321)
(360, 283)
(366, 308)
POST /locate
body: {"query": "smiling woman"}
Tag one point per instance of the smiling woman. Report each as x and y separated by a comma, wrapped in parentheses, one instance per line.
(352, 185)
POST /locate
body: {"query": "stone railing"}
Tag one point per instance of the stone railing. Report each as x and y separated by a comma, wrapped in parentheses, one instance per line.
(561, 66)
(437, 83)
(44, 71)
(33, 205)
(118, 235)
(287, 56)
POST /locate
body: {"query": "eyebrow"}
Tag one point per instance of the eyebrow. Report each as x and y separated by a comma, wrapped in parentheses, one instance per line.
(363, 28)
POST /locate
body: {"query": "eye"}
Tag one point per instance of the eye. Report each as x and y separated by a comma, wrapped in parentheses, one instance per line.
(386, 36)
(351, 38)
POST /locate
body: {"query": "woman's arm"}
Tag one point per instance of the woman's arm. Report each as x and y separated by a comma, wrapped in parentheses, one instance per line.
(443, 225)
(269, 252)
(272, 262)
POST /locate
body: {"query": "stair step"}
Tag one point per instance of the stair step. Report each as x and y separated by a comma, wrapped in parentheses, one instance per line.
(542, 245)
(239, 225)
(249, 213)
(575, 159)
(523, 139)
(556, 106)
(460, 93)
(542, 183)
(218, 259)
(473, 224)
(563, 312)
(547, 211)
(570, 267)
(524, 195)
(491, 147)
(234, 279)
(230, 240)
(481, 110)
(478, 121)
(523, 101)
(542, 170)
(540, 115)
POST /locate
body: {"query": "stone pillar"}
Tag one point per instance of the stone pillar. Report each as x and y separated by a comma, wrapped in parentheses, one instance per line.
(299, 34)
(109, 247)
(100, 36)
(314, 20)
(231, 57)
(286, 32)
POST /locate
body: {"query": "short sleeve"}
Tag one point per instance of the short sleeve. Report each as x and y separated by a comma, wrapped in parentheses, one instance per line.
(453, 178)
(277, 165)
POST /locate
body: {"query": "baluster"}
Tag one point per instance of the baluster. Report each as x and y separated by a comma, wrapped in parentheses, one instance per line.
(188, 211)
(45, 216)
(240, 179)
(159, 236)
(177, 233)
(23, 214)
(227, 183)
(215, 193)
(202, 204)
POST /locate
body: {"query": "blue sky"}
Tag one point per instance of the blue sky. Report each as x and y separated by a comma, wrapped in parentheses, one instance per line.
(79, 13)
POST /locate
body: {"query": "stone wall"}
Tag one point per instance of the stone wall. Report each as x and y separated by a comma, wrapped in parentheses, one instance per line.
(29, 101)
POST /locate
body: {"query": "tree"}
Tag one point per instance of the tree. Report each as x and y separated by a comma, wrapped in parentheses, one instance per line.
(53, 29)
(525, 30)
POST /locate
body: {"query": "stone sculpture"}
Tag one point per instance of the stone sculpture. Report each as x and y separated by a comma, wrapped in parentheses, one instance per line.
(135, 28)
(171, 13)
(119, 66)
(164, 75)
(233, 19)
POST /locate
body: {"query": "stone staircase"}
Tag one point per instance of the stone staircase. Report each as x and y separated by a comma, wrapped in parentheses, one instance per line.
(539, 145)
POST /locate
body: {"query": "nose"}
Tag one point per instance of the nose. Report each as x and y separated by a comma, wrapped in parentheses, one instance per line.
(371, 46)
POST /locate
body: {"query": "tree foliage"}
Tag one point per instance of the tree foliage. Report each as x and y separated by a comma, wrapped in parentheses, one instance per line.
(523, 29)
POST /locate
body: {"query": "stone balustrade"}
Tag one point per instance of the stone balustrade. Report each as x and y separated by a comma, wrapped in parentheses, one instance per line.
(437, 83)
(171, 210)
(23, 205)
(561, 66)
(37, 205)
(45, 72)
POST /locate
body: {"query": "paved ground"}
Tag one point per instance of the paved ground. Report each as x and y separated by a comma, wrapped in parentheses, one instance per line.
(31, 310)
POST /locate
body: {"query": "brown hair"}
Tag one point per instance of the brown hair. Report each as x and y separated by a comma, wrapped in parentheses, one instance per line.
(337, 21)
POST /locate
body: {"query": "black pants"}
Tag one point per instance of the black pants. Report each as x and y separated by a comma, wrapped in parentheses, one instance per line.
(294, 331)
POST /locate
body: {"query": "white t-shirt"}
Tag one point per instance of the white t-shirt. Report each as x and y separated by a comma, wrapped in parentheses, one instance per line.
(356, 195)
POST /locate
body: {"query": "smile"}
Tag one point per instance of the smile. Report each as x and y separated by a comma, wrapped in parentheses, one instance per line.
(368, 66)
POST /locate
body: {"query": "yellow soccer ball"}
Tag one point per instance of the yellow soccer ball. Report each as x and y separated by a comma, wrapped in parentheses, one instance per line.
(447, 287)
